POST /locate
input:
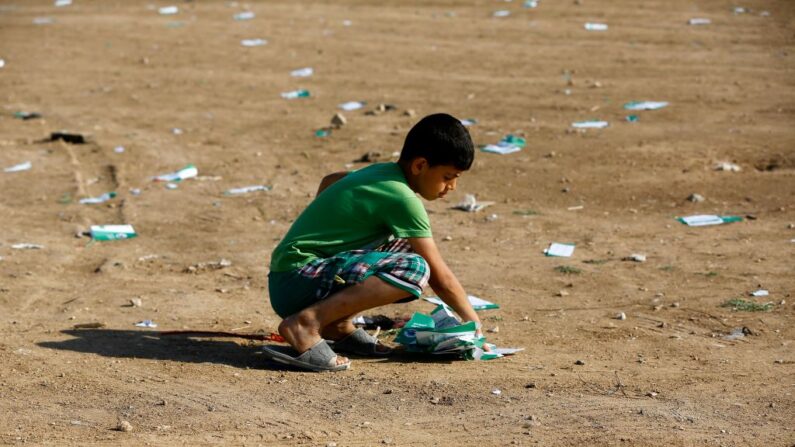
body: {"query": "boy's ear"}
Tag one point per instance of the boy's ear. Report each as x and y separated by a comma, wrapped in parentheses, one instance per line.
(418, 165)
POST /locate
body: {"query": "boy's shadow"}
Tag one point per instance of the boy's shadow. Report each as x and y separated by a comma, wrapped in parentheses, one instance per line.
(191, 349)
(152, 345)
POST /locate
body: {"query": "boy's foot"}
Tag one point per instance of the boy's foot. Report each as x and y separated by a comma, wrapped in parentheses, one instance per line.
(302, 332)
(317, 358)
(359, 342)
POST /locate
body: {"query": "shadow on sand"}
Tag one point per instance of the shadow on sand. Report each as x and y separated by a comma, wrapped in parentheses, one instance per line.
(151, 345)
(191, 349)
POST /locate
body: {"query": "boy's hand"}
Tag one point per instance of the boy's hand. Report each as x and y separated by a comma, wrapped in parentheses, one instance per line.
(443, 281)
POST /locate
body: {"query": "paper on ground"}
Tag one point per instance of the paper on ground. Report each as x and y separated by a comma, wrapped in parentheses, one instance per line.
(559, 250)
(112, 232)
(247, 189)
(508, 145)
(477, 303)
(590, 124)
(253, 42)
(351, 105)
(96, 200)
(27, 246)
(470, 204)
(706, 219)
(168, 10)
(302, 72)
(645, 105)
(20, 167)
(187, 172)
(699, 21)
(245, 15)
(146, 323)
(595, 26)
(500, 149)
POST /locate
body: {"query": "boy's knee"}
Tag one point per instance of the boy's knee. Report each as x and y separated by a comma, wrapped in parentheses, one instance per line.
(422, 270)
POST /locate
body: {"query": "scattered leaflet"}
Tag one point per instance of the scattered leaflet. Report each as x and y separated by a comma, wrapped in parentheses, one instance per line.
(508, 145)
(477, 303)
(443, 333)
(185, 173)
(705, 219)
(559, 250)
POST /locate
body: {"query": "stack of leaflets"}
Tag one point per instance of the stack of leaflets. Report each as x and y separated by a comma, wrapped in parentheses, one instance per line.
(442, 332)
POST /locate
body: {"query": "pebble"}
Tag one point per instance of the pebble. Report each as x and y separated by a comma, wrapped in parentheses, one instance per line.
(124, 426)
(447, 238)
(636, 257)
(563, 293)
(494, 330)
(338, 120)
(496, 391)
(579, 362)
(621, 316)
(136, 302)
(696, 198)
(410, 112)
(331, 444)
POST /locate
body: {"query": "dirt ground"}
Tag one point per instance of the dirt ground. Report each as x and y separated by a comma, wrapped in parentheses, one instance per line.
(664, 376)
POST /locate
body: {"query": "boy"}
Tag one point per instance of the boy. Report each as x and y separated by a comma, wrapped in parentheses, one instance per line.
(365, 241)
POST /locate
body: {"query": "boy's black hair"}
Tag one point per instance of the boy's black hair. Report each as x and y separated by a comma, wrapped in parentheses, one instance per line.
(442, 140)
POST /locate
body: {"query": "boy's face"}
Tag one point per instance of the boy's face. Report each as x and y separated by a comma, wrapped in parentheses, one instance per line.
(434, 182)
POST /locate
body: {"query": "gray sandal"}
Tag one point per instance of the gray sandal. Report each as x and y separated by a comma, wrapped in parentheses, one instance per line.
(359, 342)
(319, 357)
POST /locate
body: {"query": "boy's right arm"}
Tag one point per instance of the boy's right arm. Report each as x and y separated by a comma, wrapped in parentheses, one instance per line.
(329, 180)
(443, 281)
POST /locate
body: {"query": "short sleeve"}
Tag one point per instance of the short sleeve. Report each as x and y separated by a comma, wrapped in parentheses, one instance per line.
(406, 217)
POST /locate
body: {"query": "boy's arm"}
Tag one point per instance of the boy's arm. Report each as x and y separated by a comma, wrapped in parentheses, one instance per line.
(329, 180)
(443, 281)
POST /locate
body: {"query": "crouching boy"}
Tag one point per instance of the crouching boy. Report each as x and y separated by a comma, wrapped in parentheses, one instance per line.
(364, 242)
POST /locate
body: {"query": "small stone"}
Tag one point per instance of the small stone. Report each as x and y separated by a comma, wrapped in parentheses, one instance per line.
(676, 304)
(387, 391)
(579, 362)
(136, 302)
(696, 198)
(386, 441)
(563, 293)
(435, 400)
(338, 120)
(621, 316)
(651, 394)
(447, 238)
(635, 257)
(496, 392)
(331, 444)
(410, 112)
(494, 330)
(124, 426)
(530, 385)
(726, 166)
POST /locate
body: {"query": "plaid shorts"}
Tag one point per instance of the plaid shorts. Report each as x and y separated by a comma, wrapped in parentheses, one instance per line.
(393, 262)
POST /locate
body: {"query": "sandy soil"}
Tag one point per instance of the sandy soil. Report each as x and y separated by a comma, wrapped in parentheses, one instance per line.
(664, 376)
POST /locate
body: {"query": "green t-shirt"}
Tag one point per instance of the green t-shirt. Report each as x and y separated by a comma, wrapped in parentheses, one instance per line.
(361, 210)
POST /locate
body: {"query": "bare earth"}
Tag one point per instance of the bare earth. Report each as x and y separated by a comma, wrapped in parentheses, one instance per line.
(664, 376)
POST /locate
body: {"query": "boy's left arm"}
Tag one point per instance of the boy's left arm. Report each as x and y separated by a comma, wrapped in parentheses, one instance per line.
(443, 281)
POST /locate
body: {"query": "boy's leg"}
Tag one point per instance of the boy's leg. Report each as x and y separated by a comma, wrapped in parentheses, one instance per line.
(302, 330)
